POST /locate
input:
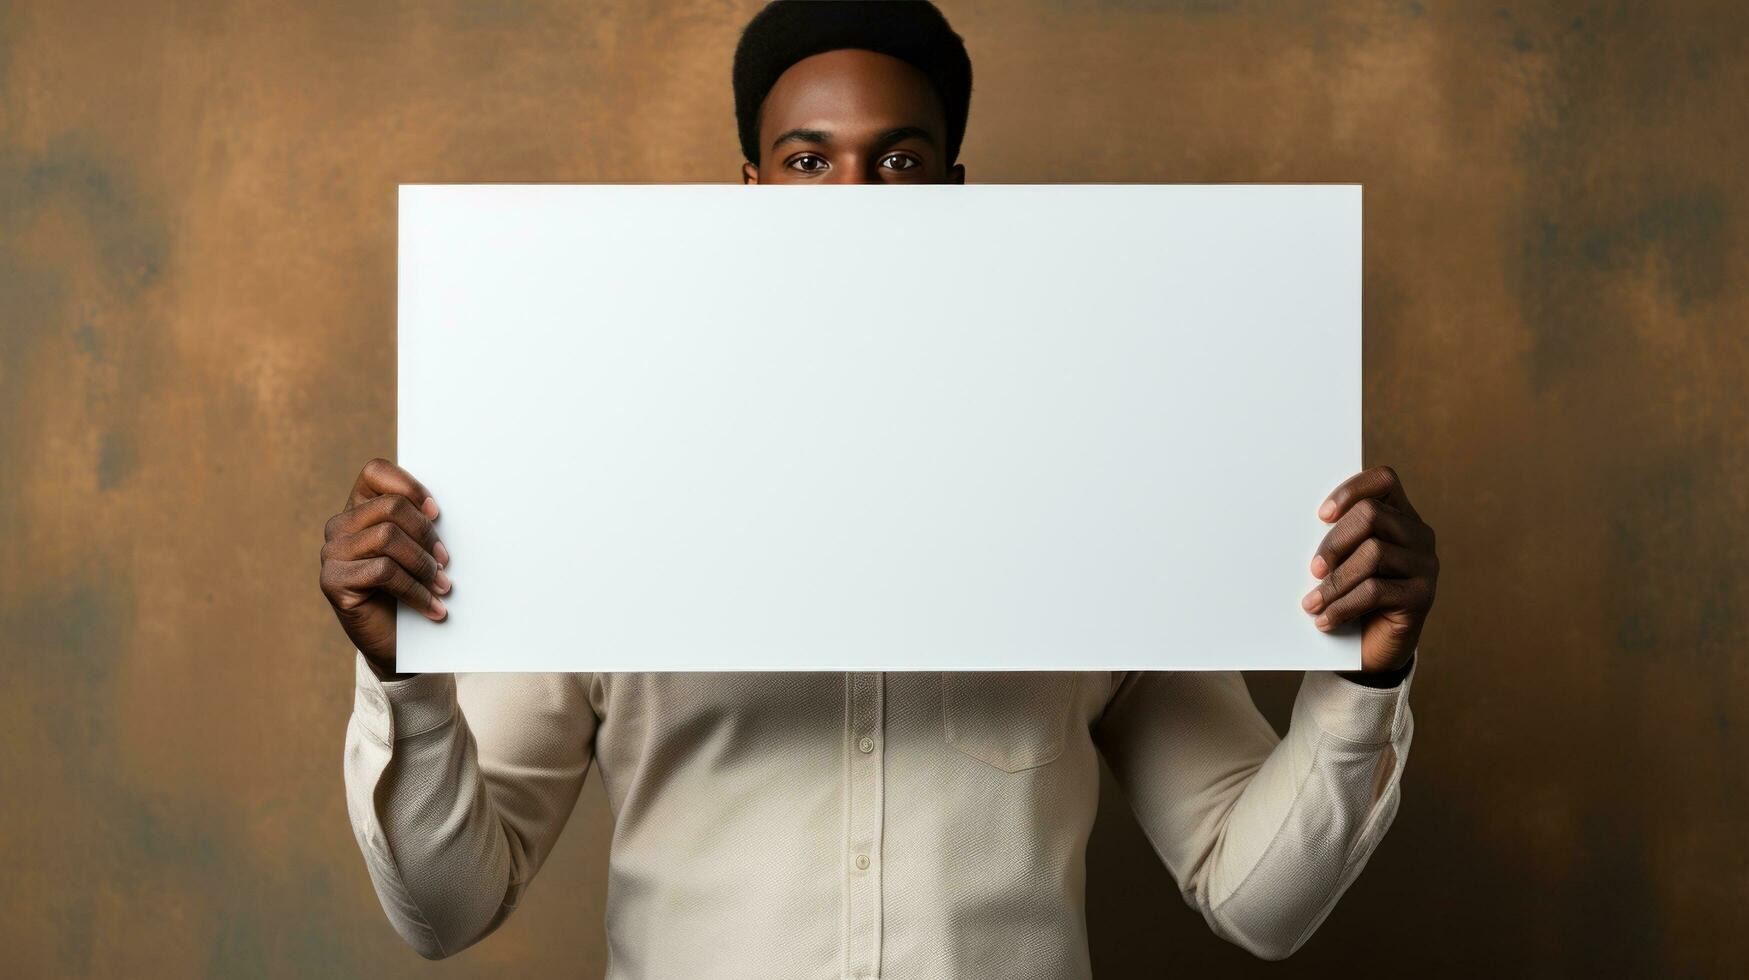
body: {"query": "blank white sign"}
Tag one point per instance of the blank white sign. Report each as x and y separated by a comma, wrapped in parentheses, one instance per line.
(874, 428)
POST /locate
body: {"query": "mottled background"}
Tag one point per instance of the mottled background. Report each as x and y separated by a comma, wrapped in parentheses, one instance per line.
(197, 296)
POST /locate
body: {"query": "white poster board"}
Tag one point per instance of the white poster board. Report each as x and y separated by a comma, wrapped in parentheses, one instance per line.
(874, 428)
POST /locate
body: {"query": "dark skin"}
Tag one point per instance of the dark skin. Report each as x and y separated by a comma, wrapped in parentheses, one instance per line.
(857, 117)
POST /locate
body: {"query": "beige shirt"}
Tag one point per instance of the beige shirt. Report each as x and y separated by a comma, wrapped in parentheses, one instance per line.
(902, 825)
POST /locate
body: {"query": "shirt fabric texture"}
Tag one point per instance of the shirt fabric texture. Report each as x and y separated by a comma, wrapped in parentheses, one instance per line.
(899, 825)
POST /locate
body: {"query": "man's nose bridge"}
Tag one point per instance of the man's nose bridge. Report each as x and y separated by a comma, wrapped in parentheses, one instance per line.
(855, 174)
(855, 169)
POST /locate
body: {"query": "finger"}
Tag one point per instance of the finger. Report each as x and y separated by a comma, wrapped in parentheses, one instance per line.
(385, 575)
(394, 509)
(391, 508)
(1371, 557)
(389, 541)
(1380, 482)
(1372, 595)
(1368, 518)
(379, 476)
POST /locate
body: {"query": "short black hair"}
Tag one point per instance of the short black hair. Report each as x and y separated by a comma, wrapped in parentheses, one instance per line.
(913, 31)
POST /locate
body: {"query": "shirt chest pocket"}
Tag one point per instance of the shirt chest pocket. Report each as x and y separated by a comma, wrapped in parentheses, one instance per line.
(1013, 720)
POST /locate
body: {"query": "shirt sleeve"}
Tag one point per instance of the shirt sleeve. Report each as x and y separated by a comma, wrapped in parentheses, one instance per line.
(457, 786)
(1263, 834)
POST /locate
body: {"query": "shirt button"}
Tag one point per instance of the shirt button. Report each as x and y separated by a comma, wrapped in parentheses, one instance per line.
(862, 862)
(866, 745)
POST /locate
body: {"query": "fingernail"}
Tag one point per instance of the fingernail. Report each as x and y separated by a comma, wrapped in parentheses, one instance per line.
(1312, 601)
(1328, 510)
(441, 553)
(1320, 568)
(442, 582)
(430, 507)
(1323, 622)
(438, 609)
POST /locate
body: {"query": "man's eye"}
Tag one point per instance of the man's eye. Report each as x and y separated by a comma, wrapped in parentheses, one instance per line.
(808, 163)
(899, 161)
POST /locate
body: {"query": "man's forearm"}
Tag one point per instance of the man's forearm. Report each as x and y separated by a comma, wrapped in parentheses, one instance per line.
(421, 816)
(1342, 757)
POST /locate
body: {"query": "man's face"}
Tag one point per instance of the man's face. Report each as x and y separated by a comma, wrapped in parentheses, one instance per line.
(852, 117)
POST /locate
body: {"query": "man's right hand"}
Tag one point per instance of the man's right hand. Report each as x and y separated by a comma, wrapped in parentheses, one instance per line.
(380, 550)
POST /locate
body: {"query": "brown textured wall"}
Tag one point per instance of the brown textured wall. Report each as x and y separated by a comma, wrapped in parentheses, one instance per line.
(197, 260)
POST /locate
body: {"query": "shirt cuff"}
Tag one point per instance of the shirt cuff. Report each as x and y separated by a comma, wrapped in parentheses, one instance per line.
(1368, 715)
(393, 710)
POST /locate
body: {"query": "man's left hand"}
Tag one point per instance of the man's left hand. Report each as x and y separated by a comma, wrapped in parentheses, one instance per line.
(1378, 568)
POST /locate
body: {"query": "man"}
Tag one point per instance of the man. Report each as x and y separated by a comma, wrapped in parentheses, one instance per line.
(908, 825)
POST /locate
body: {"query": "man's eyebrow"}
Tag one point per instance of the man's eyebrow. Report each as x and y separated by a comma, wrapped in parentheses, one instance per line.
(888, 138)
(903, 133)
(802, 136)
